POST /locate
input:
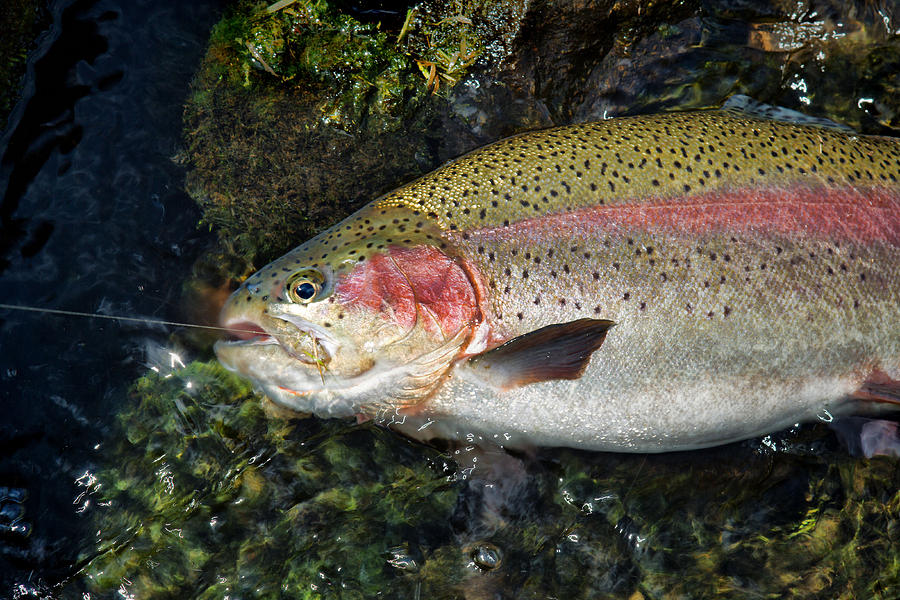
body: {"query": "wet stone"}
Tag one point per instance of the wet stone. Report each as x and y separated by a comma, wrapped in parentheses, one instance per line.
(486, 556)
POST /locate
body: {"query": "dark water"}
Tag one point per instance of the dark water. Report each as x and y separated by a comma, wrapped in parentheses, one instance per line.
(93, 218)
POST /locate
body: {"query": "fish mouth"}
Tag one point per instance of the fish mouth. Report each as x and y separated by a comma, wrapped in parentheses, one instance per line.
(244, 332)
(312, 346)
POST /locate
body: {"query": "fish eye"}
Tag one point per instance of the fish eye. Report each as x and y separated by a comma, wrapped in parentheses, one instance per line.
(303, 286)
(305, 291)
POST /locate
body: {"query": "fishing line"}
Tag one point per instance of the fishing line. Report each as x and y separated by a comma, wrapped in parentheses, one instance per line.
(74, 313)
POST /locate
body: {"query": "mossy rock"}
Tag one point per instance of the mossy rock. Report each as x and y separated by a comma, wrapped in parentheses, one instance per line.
(300, 115)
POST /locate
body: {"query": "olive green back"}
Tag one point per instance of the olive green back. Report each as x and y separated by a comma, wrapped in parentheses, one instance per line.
(634, 158)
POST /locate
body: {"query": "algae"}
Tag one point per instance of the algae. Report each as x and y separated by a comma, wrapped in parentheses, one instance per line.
(209, 495)
(300, 115)
(212, 495)
(372, 77)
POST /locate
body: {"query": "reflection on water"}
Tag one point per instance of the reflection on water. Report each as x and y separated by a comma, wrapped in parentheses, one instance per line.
(93, 218)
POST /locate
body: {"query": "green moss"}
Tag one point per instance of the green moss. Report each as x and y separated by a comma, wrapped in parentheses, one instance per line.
(729, 524)
(370, 77)
(300, 115)
(265, 171)
(208, 492)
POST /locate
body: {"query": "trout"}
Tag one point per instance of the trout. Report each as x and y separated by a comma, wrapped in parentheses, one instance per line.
(641, 284)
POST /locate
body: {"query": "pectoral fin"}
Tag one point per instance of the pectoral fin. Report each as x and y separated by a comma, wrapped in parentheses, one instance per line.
(879, 387)
(560, 351)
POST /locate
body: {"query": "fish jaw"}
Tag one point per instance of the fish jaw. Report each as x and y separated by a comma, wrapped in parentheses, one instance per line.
(277, 376)
(386, 386)
(286, 357)
(292, 378)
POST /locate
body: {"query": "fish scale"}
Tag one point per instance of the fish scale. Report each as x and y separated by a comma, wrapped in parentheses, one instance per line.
(659, 156)
(749, 267)
(516, 179)
(682, 287)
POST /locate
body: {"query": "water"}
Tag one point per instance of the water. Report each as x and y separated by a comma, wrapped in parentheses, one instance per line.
(180, 485)
(93, 218)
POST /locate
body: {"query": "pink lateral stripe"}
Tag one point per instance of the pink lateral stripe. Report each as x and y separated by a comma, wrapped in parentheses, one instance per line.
(852, 214)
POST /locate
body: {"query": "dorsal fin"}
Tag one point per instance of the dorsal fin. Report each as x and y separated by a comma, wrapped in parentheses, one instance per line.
(560, 351)
(745, 105)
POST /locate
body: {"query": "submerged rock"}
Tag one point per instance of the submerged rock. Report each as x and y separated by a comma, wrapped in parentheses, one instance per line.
(210, 496)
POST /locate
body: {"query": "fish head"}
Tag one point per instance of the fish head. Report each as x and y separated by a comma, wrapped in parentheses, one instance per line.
(368, 314)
